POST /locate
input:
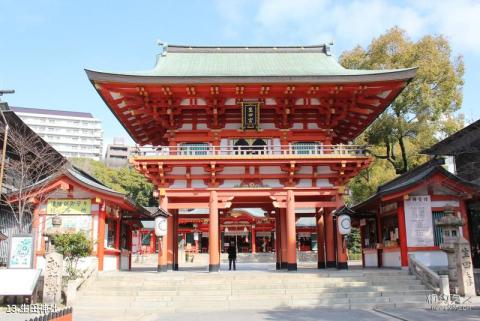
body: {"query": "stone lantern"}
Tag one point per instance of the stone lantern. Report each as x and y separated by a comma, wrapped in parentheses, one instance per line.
(53, 231)
(460, 268)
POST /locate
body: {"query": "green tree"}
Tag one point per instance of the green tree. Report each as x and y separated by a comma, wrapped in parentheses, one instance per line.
(73, 246)
(124, 179)
(426, 108)
(353, 244)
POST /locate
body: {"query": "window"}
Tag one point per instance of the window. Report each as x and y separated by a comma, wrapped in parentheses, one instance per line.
(437, 230)
(194, 149)
(251, 146)
(306, 148)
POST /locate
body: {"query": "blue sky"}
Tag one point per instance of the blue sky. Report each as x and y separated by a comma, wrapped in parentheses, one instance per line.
(46, 44)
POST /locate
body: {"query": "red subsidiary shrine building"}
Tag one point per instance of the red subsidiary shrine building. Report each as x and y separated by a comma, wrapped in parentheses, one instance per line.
(228, 128)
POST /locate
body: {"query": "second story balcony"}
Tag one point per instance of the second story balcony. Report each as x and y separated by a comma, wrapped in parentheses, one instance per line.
(293, 151)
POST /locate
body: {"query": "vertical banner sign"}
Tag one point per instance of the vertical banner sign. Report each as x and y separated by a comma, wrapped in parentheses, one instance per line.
(250, 115)
(418, 221)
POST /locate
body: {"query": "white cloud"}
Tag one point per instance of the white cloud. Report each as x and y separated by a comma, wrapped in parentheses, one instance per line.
(352, 22)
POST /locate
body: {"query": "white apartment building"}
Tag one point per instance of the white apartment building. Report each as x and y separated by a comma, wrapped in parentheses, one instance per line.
(71, 133)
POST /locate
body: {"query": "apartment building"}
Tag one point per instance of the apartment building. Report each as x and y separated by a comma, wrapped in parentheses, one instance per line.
(71, 133)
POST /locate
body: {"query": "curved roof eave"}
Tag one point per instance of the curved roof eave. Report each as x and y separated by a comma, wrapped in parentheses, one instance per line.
(390, 75)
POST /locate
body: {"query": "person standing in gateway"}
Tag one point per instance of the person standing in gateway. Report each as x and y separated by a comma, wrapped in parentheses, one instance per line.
(232, 256)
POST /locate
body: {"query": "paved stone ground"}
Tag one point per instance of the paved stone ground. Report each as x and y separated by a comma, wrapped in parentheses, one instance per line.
(307, 314)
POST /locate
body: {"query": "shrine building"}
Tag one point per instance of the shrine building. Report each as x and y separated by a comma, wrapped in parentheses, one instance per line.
(246, 140)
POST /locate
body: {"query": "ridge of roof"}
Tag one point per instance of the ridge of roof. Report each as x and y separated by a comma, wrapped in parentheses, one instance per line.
(238, 49)
(443, 147)
(412, 177)
(53, 112)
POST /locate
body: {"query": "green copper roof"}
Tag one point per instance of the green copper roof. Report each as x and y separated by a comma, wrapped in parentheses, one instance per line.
(299, 63)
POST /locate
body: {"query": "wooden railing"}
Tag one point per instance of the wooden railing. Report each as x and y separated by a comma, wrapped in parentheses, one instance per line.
(438, 283)
(232, 151)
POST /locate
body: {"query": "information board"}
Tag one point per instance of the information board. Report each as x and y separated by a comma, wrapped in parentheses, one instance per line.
(20, 255)
(69, 206)
(419, 221)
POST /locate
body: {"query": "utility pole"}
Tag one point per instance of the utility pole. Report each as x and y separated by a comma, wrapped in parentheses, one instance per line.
(4, 106)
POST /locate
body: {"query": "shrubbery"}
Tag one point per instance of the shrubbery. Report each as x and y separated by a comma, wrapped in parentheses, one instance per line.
(73, 246)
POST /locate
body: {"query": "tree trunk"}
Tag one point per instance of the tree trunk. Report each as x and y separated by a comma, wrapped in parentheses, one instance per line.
(403, 151)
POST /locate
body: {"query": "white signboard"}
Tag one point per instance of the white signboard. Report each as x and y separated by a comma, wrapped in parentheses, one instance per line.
(160, 226)
(418, 221)
(21, 252)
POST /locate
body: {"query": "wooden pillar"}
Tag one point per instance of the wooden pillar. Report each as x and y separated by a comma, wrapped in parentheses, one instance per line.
(283, 244)
(378, 222)
(117, 239)
(291, 232)
(117, 233)
(464, 216)
(254, 241)
(320, 241)
(402, 231)
(214, 255)
(36, 233)
(342, 256)
(170, 235)
(278, 242)
(175, 240)
(329, 239)
(362, 243)
(101, 235)
(163, 242)
(128, 230)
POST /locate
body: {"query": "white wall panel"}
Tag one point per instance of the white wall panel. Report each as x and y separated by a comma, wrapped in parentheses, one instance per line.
(233, 170)
(323, 182)
(270, 170)
(391, 259)
(179, 171)
(179, 184)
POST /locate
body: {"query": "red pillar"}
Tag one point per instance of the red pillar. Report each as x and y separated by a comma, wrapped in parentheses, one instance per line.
(163, 242)
(254, 236)
(329, 239)
(278, 242)
(101, 235)
(283, 227)
(175, 240)
(464, 215)
(117, 233)
(117, 240)
(342, 257)
(214, 255)
(402, 231)
(320, 241)
(170, 235)
(291, 232)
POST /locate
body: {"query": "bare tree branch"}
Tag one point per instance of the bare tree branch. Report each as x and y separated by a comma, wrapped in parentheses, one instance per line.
(29, 163)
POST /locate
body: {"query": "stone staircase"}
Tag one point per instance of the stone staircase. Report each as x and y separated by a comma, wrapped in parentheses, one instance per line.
(135, 293)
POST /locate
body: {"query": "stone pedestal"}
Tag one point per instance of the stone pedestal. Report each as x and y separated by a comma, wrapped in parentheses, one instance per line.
(452, 267)
(465, 278)
(52, 286)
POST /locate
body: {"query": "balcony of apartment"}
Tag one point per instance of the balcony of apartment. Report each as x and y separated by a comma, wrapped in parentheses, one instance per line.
(293, 151)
